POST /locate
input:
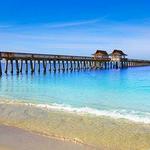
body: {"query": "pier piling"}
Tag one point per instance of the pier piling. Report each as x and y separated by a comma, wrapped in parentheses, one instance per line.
(21, 65)
(63, 65)
(6, 66)
(26, 66)
(50, 65)
(11, 66)
(54, 65)
(0, 68)
(58, 65)
(31, 65)
(17, 67)
(39, 66)
(44, 66)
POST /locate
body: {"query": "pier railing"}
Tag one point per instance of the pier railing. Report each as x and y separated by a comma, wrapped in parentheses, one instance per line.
(62, 62)
(139, 60)
(28, 56)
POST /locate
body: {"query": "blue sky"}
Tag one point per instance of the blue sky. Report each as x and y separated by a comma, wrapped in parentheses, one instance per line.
(76, 27)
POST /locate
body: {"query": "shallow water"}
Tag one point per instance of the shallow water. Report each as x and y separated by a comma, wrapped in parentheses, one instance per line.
(118, 93)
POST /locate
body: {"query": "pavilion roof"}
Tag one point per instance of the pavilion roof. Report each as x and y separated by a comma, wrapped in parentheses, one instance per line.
(101, 52)
(118, 52)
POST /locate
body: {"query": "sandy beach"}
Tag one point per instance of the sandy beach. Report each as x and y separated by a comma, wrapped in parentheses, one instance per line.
(102, 133)
(12, 138)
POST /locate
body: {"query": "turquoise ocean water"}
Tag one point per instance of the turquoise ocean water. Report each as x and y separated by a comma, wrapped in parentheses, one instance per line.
(117, 93)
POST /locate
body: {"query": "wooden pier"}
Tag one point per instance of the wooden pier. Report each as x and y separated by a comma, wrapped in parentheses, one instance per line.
(25, 62)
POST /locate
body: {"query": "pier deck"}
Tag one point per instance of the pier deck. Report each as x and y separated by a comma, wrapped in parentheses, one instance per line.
(61, 62)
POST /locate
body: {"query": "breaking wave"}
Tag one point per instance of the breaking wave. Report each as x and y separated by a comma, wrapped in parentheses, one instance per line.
(135, 116)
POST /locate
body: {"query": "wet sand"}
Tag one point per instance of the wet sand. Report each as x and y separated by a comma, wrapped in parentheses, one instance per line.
(12, 138)
(104, 133)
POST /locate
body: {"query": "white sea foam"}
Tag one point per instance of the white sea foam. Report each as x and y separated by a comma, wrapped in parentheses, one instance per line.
(135, 116)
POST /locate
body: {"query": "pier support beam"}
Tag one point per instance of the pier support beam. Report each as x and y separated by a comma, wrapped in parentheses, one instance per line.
(67, 65)
(31, 65)
(58, 65)
(6, 66)
(71, 65)
(80, 62)
(105, 65)
(44, 66)
(26, 66)
(124, 64)
(117, 65)
(17, 67)
(95, 66)
(39, 66)
(63, 66)
(90, 64)
(50, 65)
(11, 66)
(54, 66)
(34, 66)
(78, 65)
(110, 65)
(128, 64)
(99, 65)
(74, 65)
(21, 65)
(0, 68)
(81, 66)
(84, 65)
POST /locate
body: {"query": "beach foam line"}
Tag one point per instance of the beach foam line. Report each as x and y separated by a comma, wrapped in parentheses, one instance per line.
(116, 114)
(135, 116)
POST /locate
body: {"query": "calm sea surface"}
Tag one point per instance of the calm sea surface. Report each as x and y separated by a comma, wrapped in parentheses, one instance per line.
(117, 93)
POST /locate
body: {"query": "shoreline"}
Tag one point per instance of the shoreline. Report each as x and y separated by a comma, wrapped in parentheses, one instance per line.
(101, 132)
(8, 142)
(51, 136)
(115, 114)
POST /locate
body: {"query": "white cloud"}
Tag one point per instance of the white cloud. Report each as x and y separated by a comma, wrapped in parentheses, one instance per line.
(134, 39)
(71, 24)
